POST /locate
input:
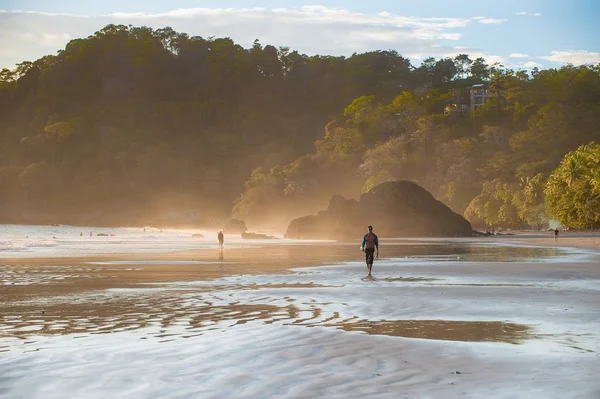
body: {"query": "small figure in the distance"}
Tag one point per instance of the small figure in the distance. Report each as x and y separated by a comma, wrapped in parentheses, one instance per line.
(556, 234)
(221, 239)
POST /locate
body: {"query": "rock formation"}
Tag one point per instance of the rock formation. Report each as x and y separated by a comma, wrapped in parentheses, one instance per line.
(395, 209)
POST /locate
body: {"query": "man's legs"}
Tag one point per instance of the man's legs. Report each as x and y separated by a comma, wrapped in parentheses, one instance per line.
(369, 258)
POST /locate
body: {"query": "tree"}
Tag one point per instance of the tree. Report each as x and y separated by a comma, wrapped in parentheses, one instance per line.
(572, 191)
(529, 200)
(438, 72)
(479, 69)
(462, 62)
(445, 70)
(494, 206)
(56, 133)
(341, 143)
(388, 161)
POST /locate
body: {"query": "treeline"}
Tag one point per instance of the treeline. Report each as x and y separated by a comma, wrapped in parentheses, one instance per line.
(139, 126)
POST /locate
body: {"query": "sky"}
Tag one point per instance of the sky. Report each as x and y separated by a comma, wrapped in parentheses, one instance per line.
(518, 34)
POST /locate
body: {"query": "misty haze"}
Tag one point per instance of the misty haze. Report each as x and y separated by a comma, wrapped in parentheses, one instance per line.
(208, 199)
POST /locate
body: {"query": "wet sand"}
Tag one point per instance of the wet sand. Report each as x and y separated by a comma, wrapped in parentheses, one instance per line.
(574, 240)
(68, 295)
(37, 278)
(62, 295)
(522, 309)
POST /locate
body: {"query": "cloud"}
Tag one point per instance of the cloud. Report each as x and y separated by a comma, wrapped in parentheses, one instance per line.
(529, 14)
(486, 20)
(493, 59)
(532, 64)
(474, 53)
(518, 55)
(575, 57)
(492, 21)
(308, 29)
(48, 39)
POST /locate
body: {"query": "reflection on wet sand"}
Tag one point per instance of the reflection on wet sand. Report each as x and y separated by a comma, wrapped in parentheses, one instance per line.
(408, 279)
(282, 285)
(469, 331)
(490, 285)
(185, 316)
(453, 252)
(124, 315)
(21, 278)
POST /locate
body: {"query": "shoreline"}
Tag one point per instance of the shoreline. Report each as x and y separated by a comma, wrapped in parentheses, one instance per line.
(123, 270)
(590, 240)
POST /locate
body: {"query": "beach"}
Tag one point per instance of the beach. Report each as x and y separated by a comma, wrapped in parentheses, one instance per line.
(144, 315)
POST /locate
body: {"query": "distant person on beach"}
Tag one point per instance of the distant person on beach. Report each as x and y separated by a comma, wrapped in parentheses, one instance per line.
(370, 243)
(555, 234)
(221, 239)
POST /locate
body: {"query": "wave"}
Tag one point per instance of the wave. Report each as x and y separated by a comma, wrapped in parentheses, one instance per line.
(19, 245)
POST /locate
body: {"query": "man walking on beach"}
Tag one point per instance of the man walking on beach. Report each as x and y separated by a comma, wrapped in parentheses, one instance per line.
(556, 234)
(370, 243)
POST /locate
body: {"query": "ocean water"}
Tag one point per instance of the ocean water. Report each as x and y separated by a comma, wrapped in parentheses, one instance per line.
(27, 241)
(66, 241)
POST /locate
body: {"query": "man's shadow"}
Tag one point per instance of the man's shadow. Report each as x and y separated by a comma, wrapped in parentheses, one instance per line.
(220, 254)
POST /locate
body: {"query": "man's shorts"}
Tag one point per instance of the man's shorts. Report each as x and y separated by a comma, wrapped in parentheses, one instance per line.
(369, 252)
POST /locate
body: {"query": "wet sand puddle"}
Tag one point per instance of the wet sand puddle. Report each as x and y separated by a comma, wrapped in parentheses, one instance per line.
(470, 331)
(453, 252)
(488, 285)
(179, 314)
(408, 279)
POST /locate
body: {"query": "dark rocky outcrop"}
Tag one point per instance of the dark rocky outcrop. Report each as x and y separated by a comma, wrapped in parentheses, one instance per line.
(235, 226)
(257, 236)
(395, 209)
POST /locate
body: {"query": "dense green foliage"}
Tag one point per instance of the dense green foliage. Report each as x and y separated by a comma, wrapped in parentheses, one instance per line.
(492, 164)
(136, 126)
(573, 190)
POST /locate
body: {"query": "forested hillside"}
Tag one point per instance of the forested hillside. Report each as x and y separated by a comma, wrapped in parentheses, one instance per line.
(139, 126)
